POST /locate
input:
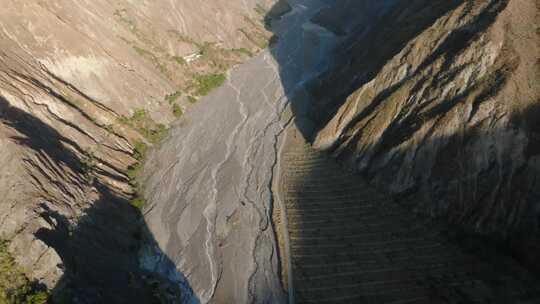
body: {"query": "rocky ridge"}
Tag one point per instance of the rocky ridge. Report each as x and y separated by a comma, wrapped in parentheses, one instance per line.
(440, 101)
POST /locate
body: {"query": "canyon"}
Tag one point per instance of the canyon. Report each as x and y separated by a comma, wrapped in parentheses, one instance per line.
(262, 151)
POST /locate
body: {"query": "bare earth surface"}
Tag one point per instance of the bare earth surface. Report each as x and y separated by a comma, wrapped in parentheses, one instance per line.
(73, 76)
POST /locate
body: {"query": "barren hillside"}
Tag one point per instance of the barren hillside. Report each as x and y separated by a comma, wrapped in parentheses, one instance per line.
(85, 88)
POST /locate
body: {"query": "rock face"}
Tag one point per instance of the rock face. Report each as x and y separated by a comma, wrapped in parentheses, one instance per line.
(80, 84)
(439, 100)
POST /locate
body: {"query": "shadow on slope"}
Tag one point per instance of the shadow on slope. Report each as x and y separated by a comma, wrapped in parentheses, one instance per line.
(495, 204)
(100, 250)
(351, 243)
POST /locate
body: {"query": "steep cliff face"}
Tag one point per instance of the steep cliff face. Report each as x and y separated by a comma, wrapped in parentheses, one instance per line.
(440, 100)
(84, 87)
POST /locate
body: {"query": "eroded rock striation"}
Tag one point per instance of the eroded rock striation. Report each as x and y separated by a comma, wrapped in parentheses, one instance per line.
(84, 87)
(439, 100)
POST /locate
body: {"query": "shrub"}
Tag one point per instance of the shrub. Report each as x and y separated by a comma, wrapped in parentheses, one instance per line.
(153, 58)
(139, 150)
(141, 121)
(260, 10)
(139, 153)
(88, 164)
(142, 52)
(192, 99)
(179, 60)
(38, 297)
(177, 110)
(243, 51)
(15, 288)
(137, 117)
(155, 134)
(206, 83)
(133, 171)
(138, 202)
(171, 98)
(109, 128)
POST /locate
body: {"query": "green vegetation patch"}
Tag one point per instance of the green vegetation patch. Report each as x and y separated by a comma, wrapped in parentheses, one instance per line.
(142, 52)
(139, 153)
(217, 58)
(88, 164)
(261, 10)
(207, 83)
(153, 133)
(15, 288)
(243, 51)
(141, 121)
(192, 99)
(171, 98)
(179, 60)
(133, 171)
(140, 150)
(138, 202)
(182, 38)
(135, 120)
(177, 110)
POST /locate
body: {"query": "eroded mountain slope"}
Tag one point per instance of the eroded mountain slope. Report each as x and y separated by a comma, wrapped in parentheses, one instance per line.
(440, 101)
(85, 87)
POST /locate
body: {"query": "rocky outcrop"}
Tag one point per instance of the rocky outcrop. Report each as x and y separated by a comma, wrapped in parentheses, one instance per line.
(439, 101)
(82, 85)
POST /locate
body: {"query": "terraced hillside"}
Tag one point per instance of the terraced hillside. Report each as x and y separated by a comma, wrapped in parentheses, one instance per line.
(352, 244)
